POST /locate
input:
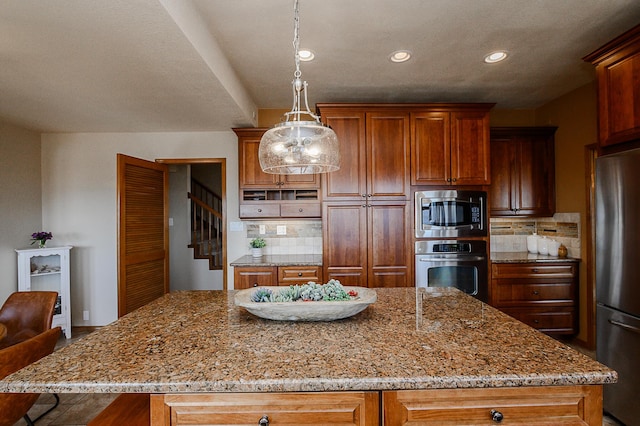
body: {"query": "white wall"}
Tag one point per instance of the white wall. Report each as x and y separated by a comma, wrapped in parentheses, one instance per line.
(79, 203)
(20, 199)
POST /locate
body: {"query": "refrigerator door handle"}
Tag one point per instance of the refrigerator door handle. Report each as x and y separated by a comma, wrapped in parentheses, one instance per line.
(625, 326)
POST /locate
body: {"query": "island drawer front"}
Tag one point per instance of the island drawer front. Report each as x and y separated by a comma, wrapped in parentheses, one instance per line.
(533, 270)
(313, 408)
(253, 276)
(534, 294)
(289, 275)
(259, 210)
(301, 210)
(550, 320)
(557, 405)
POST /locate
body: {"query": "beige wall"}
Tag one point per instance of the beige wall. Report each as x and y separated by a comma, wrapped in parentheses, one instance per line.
(20, 199)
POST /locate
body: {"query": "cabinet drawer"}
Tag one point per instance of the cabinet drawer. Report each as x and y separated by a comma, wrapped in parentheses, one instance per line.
(289, 275)
(550, 320)
(510, 294)
(247, 277)
(533, 270)
(317, 408)
(259, 210)
(300, 210)
(557, 405)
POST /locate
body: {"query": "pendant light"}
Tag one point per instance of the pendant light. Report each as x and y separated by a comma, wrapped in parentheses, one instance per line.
(300, 143)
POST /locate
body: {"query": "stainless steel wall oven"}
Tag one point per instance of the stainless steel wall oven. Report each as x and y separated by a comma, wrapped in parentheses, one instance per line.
(453, 263)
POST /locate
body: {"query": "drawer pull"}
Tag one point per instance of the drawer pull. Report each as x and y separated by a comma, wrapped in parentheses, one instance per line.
(535, 321)
(625, 326)
(535, 270)
(264, 421)
(535, 292)
(300, 210)
(259, 210)
(299, 274)
(255, 284)
(496, 416)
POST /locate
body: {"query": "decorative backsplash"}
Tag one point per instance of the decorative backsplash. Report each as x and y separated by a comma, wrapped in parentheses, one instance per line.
(510, 234)
(302, 237)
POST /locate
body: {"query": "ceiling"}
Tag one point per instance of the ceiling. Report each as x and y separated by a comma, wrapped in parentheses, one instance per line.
(202, 65)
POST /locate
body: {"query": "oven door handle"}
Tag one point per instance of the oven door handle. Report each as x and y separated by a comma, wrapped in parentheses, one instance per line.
(452, 258)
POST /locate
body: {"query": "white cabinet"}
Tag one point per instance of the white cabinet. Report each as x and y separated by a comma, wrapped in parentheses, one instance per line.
(47, 269)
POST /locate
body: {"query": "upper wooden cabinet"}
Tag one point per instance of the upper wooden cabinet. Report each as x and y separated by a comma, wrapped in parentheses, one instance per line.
(374, 153)
(522, 171)
(450, 147)
(618, 72)
(265, 195)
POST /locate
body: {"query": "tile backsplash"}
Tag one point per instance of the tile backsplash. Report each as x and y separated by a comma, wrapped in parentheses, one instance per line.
(510, 234)
(302, 237)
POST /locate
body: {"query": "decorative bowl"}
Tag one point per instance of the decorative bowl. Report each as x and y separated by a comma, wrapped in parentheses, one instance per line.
(306, 311)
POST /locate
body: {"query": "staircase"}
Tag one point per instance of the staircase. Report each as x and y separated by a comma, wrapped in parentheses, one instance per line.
(206, 224)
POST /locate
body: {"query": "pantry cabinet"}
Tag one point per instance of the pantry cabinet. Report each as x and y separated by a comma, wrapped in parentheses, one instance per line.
(618, 75)
(265, 195)
(450, 147)
(522, 171)
(542, 295)
(47, 269)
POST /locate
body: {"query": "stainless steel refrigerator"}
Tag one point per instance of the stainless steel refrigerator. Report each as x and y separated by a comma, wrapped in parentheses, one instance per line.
(618, 280)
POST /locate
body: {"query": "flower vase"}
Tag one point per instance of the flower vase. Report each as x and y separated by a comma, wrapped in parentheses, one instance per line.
(42, 244)
(256, 251)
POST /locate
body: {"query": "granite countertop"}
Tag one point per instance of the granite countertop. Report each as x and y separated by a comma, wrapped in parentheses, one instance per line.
(280, 260)
(199, 341)
(526, 257)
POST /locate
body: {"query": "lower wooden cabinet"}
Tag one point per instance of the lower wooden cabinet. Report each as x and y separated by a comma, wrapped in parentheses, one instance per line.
(323, 408)
(542, 295)
(549, 405)
(254, 276)
(542, 405)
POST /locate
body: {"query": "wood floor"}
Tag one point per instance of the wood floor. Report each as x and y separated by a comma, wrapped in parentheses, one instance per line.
(79, 409)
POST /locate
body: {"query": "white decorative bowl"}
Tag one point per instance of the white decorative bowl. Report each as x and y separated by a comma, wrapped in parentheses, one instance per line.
(306, 311)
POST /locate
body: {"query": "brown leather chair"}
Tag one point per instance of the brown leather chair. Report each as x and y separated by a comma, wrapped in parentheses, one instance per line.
(13, 406)
(26, 314)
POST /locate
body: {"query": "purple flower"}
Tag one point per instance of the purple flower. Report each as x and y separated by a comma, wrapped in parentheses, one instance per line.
(41, 236)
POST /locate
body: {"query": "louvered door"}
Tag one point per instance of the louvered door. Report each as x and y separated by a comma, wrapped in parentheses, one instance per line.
(143, 243)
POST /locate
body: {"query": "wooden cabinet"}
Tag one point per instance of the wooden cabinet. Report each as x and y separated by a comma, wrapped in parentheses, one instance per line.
(450, 147)
(522, 171)
(542, 295)
(313, 408)
(253, 276)
(618, 74)
(367, 244)
(265, 195)
(548, 405)
(47, 269)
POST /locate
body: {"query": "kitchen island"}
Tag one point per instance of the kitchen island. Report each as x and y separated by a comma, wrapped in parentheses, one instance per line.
(415, 353)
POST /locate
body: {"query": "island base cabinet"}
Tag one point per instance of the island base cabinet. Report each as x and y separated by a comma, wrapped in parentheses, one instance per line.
(275, 409)
(547, 405)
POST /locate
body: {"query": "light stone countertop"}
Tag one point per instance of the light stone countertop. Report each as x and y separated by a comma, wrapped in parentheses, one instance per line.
(280, 260)
(199, 341)
(526, 257)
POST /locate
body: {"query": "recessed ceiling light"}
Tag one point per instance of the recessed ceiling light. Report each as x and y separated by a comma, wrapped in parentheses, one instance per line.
(400, 56)
(306, 55)
(494, 57)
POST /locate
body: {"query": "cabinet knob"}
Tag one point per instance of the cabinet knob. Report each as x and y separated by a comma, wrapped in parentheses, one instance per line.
(255, 284)
(535, 270)
(300, 210)
(299, 274)
(535, 292)
(496, 416)
(259, 210)
(448, 179)
(264, 421)
(363, 195)
(536, 321)
(455, 180)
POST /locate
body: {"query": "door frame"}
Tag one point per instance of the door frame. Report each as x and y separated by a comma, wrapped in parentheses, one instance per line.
(591, 153)
(223, 174)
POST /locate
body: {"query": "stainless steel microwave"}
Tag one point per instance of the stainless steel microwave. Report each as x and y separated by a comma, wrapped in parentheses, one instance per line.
(450, 213)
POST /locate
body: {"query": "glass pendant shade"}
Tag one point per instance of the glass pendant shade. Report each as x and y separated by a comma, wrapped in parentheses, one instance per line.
(299, 147)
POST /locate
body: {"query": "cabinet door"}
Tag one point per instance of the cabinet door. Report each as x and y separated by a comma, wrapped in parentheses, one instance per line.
(344, 231)
(470, 154)
(348, 183)
(430, 148)
(315, 408)
(504, 179)
(389, 248)
(536, 176)
(253, 276)
(388, 146)
(251, 175)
